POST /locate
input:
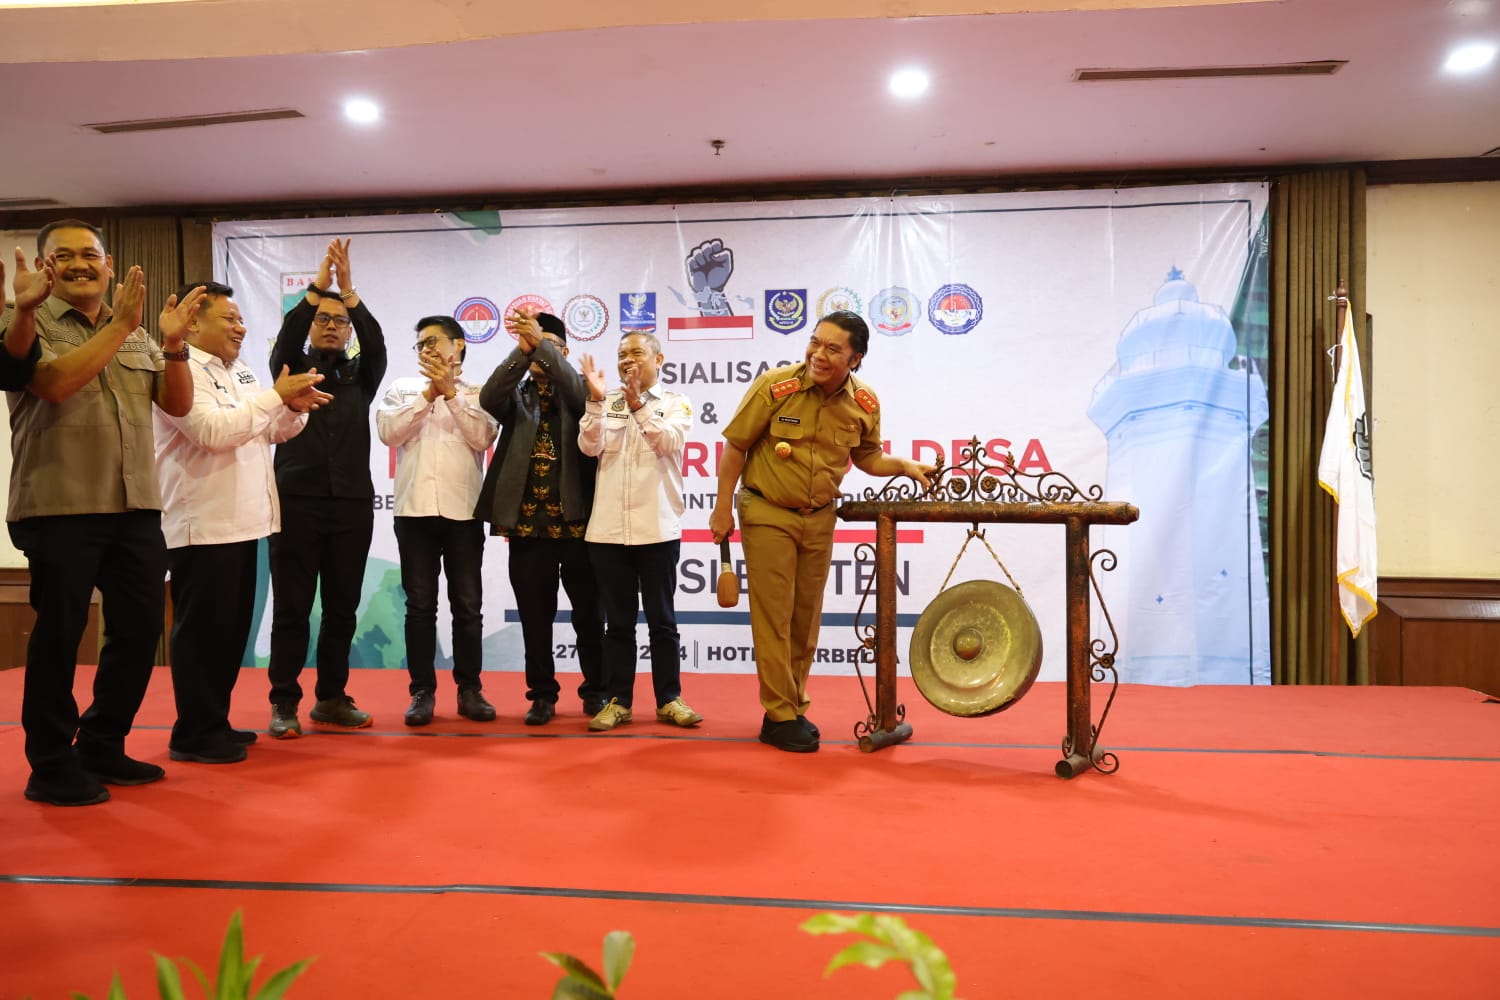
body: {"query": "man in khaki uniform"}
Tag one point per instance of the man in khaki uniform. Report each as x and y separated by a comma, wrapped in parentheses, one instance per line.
(792, 439)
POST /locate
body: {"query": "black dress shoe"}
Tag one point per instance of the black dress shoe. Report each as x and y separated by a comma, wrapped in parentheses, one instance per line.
(540, 713)
(118, 769)
(227, 752)
(74, 789)
(810, 727)
(420, 712)
(792, 735)
(244, 737)
(593, 706)
(472, 705)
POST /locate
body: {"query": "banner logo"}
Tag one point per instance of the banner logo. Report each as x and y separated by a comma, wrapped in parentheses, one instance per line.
(786, 309)
(585, 316)
(840, 298)
(895, 311)
(955, 309)
(479, 317)
(637, 312)
(527, 303)
(708, 267)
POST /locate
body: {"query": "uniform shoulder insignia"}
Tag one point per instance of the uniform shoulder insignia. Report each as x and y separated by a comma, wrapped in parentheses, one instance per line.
(866, 400)
(786, 387)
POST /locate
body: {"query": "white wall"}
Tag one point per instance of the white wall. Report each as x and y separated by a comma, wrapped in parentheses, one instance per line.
(1434, 290)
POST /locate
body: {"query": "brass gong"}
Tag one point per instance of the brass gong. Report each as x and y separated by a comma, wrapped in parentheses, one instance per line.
(976, 648)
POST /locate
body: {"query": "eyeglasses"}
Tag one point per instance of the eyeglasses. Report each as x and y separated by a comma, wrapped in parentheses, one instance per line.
(339, 322)
(425, 343)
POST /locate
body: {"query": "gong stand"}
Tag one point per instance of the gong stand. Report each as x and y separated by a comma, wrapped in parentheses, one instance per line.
(975, 492)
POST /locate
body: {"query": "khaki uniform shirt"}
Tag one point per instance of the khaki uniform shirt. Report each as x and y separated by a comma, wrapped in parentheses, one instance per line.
(93, 453)
(821, 433)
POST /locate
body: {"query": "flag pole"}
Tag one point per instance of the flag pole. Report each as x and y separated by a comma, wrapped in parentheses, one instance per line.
(1336, 671)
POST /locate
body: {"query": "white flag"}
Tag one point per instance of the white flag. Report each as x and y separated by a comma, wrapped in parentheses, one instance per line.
(1344, 471)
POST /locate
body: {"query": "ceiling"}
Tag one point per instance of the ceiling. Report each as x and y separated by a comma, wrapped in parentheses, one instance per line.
(529, 103)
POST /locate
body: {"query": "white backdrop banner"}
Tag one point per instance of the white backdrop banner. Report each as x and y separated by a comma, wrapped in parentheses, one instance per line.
(1090, 333)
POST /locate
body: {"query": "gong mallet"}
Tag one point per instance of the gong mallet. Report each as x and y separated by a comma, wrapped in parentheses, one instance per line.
(729, 582)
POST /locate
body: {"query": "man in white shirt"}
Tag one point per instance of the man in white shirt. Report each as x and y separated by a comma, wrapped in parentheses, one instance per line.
(440, 433)
(219, 499)
(635, 531)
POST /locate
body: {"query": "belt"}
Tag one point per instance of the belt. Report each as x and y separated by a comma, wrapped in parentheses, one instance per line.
(796, 510)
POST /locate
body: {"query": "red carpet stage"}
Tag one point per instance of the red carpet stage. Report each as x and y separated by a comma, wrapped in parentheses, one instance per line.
(1256, 842)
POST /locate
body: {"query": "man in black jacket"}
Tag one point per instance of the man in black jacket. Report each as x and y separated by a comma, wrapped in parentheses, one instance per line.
(538, 492)
(327, 514)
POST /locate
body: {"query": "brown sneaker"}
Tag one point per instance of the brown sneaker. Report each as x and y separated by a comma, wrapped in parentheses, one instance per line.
(677, 713)
(284, 723)
(340, 712)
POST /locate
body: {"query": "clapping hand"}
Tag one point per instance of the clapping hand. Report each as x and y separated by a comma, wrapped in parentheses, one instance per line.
(130, 298)
(32, 287)
(176, 317)
(301, 392)
(338, 252)
(524, 327)
(593, 375)
(441, 374)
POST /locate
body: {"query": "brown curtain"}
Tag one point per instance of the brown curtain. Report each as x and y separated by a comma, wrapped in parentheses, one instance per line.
(154, 243)
(1317, 243)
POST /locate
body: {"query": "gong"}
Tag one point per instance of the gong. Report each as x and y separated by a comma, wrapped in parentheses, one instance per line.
(976, 648)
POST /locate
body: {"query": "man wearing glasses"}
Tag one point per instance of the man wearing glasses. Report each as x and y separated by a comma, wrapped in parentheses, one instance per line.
(440, 434)
(327, 513)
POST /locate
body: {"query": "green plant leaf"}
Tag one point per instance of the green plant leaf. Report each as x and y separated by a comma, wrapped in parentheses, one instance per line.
(280, 982)
(577, 989)
(199, 975)
(838, 923)
(232, 984)
(576, 968)
(116, 990)
(868, 953)
(168, 982)
(247, 976)
(915, 995)
(619, 949)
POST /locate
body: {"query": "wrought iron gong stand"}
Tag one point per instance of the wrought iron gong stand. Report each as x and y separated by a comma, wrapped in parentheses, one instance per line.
(976, 492)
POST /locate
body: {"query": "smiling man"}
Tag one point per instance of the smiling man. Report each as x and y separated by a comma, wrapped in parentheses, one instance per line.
(327, 496)
(635, 533)
(220, 494)
(84, 502)
(792, 439)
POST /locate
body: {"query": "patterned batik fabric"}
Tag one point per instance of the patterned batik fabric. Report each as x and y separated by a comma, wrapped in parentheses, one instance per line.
(541, 513)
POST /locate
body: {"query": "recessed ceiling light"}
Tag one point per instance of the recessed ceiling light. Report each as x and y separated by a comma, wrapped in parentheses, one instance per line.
(909, 83)
(1469, 58)
(361, 110)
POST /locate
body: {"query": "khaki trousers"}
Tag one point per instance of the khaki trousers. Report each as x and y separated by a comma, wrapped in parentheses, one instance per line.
(787, 556)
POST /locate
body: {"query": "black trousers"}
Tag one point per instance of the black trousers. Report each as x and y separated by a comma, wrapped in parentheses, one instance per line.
(125, 556)
(213, 602)
(456, 548)
(325, 538)
(536, 565)
(650, 573)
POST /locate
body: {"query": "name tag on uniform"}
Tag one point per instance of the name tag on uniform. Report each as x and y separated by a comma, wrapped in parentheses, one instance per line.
(618, 416)
(245, 377)
(790, 420)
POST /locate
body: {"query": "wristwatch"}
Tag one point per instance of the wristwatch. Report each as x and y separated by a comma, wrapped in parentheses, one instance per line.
(179, 355)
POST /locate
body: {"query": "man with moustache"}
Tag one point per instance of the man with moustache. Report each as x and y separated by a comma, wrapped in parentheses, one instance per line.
(537, 493)
(85, 506)
(791, 440)
(220, 494)
(440, 434)
(635, 532)
(327, 513)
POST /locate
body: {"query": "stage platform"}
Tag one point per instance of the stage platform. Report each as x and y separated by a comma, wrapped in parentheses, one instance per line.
(1256, 842)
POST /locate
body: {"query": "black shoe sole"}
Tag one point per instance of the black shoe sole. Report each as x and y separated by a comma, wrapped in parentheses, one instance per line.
(113, 778)
(481, 717)
(103, 796)
(790, 747)
(415, 720)
(205, 758)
